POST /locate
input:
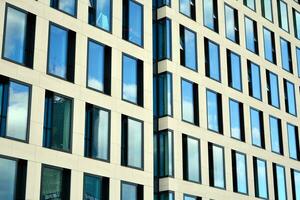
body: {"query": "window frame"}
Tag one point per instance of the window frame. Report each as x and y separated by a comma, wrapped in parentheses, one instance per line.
(273, 44)
(234, 172)
(250, 82)
(207, 52)
(255, 35)
(262, 129)
(274, 168)
(269, 91)
(139, 189)
(256, 177)
(102, 186)
(164, 19)
(219, 104)
(287, 110)
(297, 141)
(165, 73)
(241, 119)
(279, 16)
(236, 23)
(263, 11)
(191, 8)
(281, 148)
(52, 5)
(245, 3)
(229, 53)
(111, 18)
(216, 18)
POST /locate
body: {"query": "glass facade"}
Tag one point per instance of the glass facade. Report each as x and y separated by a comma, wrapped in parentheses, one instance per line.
(100, 14)
(234, 70)
(188, 48)
(257, 128)
(210, 14)
(212, 60)
(165, 92)
(279, 182)
(66, 6)
(164, 39)
(254, 80)
(189, 102)
(260, 178)
(293, 141)
(283, 15)
(232, 24)
(251, 35)
(276, 135)
(216, 166)
(286, 59)
(95, 187)
(165, 152)
(239, 171)
(236, 120)
(273, 90)
(214, 111)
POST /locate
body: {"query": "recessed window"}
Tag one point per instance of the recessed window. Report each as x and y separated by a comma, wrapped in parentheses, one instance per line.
(239, 172)
(97, 132)
(212, 60)
(188, 8)
(210, 14)
(214, 111)
(260, 178)
(99, 67)
(286, 55)
(132, 154)
(257, 128)
(132, 80)
(191, 159)
(165, 94)
(190, 197)
(269, 46)
(272, 89)
(216, 166)
(296, 16)
(189, 102)
(250, 4)
(66, 6)
(14, 109)
(290, 98)
(165, 195)
(279, 181)
(57, 122)
(254, 80)
(232, 24)
(251, 35)
(19, 36)
(188, 48)
(13, 174)
(61, 52)
(298, 60)
(100, 12)
(133, 30)
(267, 10)
(276, 135)
(161, 3)
(293, 141)
(234, 70)
(131, 191)
(295, 174)
(95, 187)
(55, 182)
(164, 39)
(283, 17)
(236, 112)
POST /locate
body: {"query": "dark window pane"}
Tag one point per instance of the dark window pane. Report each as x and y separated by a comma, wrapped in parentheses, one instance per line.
(191, 159)
(189, 197)
(293, 141)
(210, 14)
(279, 182)
(187, 7)
(131, 191)
(254, 81)
(214, 111)
(212, 60)
(234, 70)
(257, 128)
(161, 3)
(165, 90)
(166, 196)
(188, 48)
(95, 187)
(67, 6)
(290, 101)
(269, 45)
(260, 178)
(286, 59)
(273, 91)
(298, 60)
(165, 151)
(236, 120)
(164, 32)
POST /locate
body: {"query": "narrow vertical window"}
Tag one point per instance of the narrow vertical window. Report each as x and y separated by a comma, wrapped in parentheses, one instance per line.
(236, 120)
(283, 17)
(67, 6)
(250, 4)
(95, 187)
(276, 135)
(257, 128)
(260, 178)
(279, 182)
(99, 67)
(100, 12)
(132, 80)
(295, 183)
(293, 141)
(232, 24)
(214, 111)
(132, 143)
(61, 52)
(210, 14)
(165, 153)
(290, 98)
(212, 60)
(239, 171)
(191, 159)
(97, 132)
(234, 70)
(19, 36)
(216, 166)
(189, 102)
(269, 45)
(57, 122)
(272, 89)
(166, 195)
(251, 35)
(133, 17)
(188, 8)
(165, 92)
(296, 16)
(254, 80)
(267, 10)
(164, 37)
(188, 48)
(286, 55)
(131, 191)
(298, 60)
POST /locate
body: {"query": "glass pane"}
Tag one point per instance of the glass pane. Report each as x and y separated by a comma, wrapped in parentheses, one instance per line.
(285, 55)
(129, 191)
(187, 101)
(274, 92)
(92, 188)
(290, 96)
(96, 57)
(236, 79)
(17, 111)
(187, 197)
(135, 23)
(262, 179)
(230, 23)
(214, 63)
(250, 34)
(256, 127)
(268, 45)
(218, 163)
(135, 142)
(190, 49)
(267, 9)
(241, 171)
(275, 134)
(52, 184)
(166, 153)
(280, 179)
(250, 4)
(193, 160)
(57, 55)
(297, 24)
(255, 81)
(165, 94)
(164, 39)
(283, 16)
(292, 138)
(184, 7)
(212, 111)
(235, 121)
(69, 6)
(208, 10)
(103, 14)
(166, 196)
(130, 79)
(7, 179)
(298, 60)
(15, 33)
(297, 184)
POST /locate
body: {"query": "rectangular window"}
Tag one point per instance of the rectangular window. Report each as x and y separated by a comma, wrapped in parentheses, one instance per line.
(269, 45)
(254, 80)
(190, 197)
(251, 35)
(214, 111)
(267, 10)
(188, 8)
(232, 24)
(161, 3)
(236, 120)
(283, 17)
(216, 166)
(95, 187)
(132, 143)
(191, 159)
(286, 55)
(189, 102)
(257, 128)
(166, 195)
(296, 16)
(290, 98)
(19, 36)
(295, 183)
(131, 191)
(61, 52)
(133, 22)
(13, 174)
(210, 14)
(234, 70)
(15, 100)
(260, 178)
(57, 122)
(212, 60)
(272, 89)
(99, 67)
(165, 94)
(55, 182)
(276, 135)
(279, 182)
(188, 48)
(239, 172)
(250, 4)
(293, 141)
(100, 14)
(298, 60)
(164, 37)
(67, 6)
(132, 80)
(97, 132)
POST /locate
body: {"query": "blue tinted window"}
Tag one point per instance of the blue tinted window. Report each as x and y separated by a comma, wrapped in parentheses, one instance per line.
(279, 182)
(165, 87)
(67, 6)
(231, 24)
(251, 35)
(273, 91)
(283, 15)
(293, 141)
(296, 23)
(296, 184)
(187, 7)
(131, 191)
(188, 51)
(236, 120)
(188, 102)
(100, 14)
(286, 59)
(234, 70)
(240, 172)
(166, 196)
(95, 187)
(260, 178)
(298, 60)
(164, 32)
(254, 80)
(267, 11)
(210, 14)
(191, 159)
(8, 179)
(213, 111)
(275, 134)
(269, 45)
(290, 101)
(250, 4)
(212, 59)
(256, 127)
(165, 152)
(217, 177)
(189, 197)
